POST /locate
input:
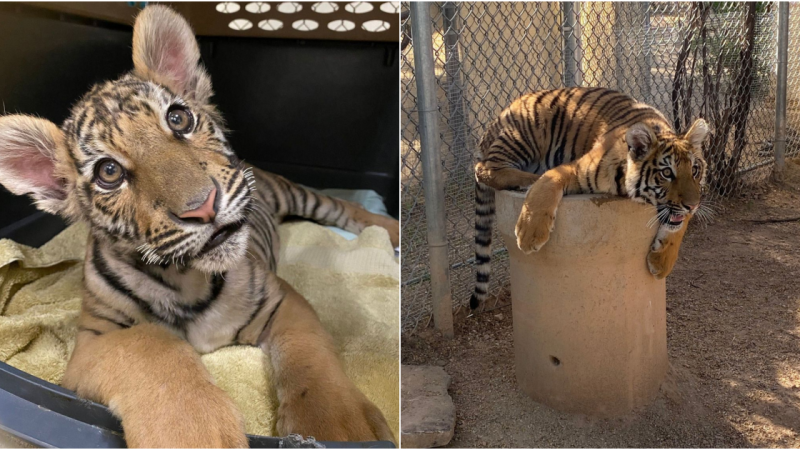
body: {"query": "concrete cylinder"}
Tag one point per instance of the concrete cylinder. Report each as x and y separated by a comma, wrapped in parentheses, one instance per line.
(590, 331)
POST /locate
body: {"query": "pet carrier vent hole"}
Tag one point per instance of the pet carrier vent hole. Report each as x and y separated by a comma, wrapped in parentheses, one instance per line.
(341, 25)
(375, 26)
(324, 7)
(228, 7)
(290, 7)
(556, 362)
(270, 24)
(358, 7)
(257, 7)
(390, 7)
(305, 25)
(240, 24)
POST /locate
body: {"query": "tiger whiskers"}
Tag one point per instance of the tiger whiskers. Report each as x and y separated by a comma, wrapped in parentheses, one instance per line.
(706, 213)
(659, 218)
(256, 207)
(149, 254)
(250, 178)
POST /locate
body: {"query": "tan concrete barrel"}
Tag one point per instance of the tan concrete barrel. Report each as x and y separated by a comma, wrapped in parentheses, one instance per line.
(590, 330)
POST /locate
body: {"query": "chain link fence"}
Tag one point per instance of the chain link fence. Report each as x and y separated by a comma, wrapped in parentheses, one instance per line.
(713, 60)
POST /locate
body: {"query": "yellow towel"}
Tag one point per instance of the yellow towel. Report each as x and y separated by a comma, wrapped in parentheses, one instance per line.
(353, 285)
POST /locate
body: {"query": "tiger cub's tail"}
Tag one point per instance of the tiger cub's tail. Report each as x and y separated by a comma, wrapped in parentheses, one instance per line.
(484, 219)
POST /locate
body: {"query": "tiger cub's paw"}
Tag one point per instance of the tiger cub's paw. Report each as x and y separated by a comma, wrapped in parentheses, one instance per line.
(533, 229)
(661, 259)
(393, 227)
(331, 413)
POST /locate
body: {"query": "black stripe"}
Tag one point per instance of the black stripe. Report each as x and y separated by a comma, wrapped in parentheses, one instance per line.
(558, 114)
(276, 204)
(100, 315)
(563, 129)
(255, 312)
(619, 179)
(315, 209)
(291, 205)
(622, 98)
(303, 202)
(580, 125)
(274, 310)
(536, 106)
(482, 240)
(172, 243)
(518, 152)
(165, 234)
(217, 284)
(115, 282)
(230, 182)
(597, 170)
(239, 188)
(482, 259)
(589, 182)
(339, 211)
(483, 228)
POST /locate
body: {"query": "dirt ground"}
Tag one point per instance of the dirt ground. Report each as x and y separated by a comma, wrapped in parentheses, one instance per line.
(734, 347)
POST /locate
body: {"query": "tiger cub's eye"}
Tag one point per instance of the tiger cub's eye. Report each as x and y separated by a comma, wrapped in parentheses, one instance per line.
(109, 173)
(179, 119)
(695, 171)
(666, 173)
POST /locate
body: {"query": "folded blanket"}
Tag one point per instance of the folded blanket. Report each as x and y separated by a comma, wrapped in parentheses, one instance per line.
(353, 286)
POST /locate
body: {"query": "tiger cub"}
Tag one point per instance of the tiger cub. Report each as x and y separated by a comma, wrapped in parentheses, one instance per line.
(586, 140)
(181, 256)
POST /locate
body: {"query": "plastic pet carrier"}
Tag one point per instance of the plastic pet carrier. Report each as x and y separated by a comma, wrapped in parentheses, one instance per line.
(310, 91)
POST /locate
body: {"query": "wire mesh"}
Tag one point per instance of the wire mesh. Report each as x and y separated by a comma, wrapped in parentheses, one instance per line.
(712, 60)
(793, 84)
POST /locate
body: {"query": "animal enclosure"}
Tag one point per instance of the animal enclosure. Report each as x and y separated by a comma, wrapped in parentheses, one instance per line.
(731, 63)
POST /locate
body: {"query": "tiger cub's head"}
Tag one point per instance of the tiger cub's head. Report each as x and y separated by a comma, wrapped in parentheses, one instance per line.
(143, 159)
(666, 169)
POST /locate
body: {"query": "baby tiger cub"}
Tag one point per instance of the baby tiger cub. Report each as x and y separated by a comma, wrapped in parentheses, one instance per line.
(181, 256)
(586, 140)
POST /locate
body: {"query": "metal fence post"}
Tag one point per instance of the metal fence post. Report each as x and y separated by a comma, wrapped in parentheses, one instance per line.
(780, 96)
(433, 183)
(570, 44)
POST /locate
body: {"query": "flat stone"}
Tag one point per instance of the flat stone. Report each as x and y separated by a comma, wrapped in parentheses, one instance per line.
(427, 411)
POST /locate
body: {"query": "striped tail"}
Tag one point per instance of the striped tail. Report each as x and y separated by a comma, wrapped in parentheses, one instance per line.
(484, 219)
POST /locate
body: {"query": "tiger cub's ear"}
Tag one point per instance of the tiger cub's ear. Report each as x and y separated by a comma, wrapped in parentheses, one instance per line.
(29, 149)
(639, 138)
(697, 134)
(165, 51)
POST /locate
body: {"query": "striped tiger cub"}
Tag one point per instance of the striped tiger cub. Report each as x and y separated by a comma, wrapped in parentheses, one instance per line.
(181, 256)
(586, 140)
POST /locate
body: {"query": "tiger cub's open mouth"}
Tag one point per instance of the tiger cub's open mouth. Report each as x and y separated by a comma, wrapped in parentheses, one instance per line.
(221, 235)
(676, 219)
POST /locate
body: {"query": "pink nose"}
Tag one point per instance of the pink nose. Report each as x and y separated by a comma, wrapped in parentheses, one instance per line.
(205, 212)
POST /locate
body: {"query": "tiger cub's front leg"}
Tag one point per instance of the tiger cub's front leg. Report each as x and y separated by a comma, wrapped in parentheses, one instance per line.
(155, 383)
(664, 250)
(315, 396)
(538, 214)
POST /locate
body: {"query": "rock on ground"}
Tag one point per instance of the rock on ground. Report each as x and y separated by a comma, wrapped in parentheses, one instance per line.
(428, 412)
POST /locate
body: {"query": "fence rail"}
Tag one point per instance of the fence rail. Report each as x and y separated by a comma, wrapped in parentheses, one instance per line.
(715, 60)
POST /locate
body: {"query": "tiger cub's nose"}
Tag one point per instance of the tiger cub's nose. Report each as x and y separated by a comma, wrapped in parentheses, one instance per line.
(205, 213)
